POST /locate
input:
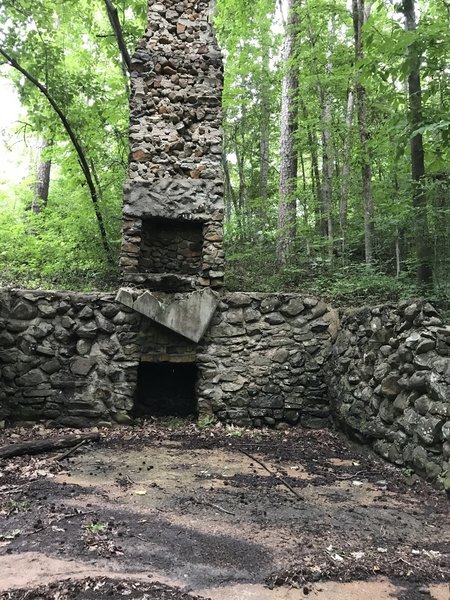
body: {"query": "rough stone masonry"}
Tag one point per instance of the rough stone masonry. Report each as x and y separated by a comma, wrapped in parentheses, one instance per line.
(381, 373)
(173, 209)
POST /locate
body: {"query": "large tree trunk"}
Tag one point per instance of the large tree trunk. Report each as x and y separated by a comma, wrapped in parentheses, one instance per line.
(359, 18)
(287, 209)
(424, 253)
(42, 182)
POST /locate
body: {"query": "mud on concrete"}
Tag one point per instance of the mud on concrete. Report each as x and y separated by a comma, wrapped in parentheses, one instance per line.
(219, 513)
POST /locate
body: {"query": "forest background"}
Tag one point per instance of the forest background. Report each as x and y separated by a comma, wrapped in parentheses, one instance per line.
(336, 154)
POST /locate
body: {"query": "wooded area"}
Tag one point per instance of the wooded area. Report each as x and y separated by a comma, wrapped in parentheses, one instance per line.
(336, 155)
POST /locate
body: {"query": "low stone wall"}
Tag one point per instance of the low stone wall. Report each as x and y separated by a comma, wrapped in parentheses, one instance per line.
(72, 359)
(263, 359)
(66, 358)
(383, 373)
(389, 384)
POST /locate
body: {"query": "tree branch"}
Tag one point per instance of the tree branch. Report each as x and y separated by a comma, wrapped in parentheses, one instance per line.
(75, 142)
(117, 28)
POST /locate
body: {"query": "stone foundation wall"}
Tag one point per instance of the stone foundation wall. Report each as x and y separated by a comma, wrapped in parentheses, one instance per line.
(263, 357)
(66, 358)
(389, 384)
(383, 373)
(72, 359)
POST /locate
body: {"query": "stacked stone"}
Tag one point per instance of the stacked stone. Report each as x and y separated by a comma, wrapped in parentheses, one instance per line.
(171, 250)
(66, 358)
(268, 359)
(262, 360)
(176, 137)
(389, 382)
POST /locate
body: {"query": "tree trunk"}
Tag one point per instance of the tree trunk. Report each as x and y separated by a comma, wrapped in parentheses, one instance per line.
(287, 208)
(327, 175)
(327, 160)
(264, 141)
(42, 183)
(345, 180)
(230, 196)
(113, 17)
(264, 157)
(360, 15)
(419, 198)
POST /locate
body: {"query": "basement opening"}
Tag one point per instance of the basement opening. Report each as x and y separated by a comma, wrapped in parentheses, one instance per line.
(166, 389)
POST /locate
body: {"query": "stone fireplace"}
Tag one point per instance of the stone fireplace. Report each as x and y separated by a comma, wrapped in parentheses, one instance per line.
(173, 209)
(166, 389)
(171, 247)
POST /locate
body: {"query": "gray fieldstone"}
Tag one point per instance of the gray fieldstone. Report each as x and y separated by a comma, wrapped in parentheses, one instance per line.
(24, 311)
(293, 308)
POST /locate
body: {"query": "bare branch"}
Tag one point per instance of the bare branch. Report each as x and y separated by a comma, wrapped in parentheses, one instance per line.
(117, 28)
(75, 142)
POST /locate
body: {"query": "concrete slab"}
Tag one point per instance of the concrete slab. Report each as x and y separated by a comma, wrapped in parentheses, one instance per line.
(125, 297)
(187, 315)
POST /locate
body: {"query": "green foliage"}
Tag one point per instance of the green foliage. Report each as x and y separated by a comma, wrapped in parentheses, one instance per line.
(325, 61)
(70, 48)
(59, 247)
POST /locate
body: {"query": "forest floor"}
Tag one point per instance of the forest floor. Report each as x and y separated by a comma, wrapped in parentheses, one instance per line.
(161, 513)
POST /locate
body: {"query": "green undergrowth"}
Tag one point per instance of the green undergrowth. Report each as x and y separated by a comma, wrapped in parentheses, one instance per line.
(341, 283)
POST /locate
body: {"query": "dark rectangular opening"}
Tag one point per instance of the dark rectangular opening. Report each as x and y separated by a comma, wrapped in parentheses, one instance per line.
(166, 389)
(170, 246)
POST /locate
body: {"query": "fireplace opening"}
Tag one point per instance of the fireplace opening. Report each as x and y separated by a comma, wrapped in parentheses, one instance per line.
(170, 246)
(166, 389)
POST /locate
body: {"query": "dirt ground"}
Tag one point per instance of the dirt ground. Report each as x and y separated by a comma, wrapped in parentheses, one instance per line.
(159, 512)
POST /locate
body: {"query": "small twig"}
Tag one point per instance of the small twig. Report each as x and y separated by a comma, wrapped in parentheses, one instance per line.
(266, 468)
(62, 518)
(15, 490)
(215, 506)
(345, 477)
(69, 452)
(78, 514)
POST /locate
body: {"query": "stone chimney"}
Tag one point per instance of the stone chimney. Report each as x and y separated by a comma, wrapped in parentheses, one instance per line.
(173, 207)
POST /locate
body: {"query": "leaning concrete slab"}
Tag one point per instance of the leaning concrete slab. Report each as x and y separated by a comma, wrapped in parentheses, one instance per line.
(125, 296)
(188, 315)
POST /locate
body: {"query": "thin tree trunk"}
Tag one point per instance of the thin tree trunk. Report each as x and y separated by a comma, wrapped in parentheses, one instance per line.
(327, 171)
(327, 152)
(305, 205)
(76, 144)
(117, 28)
(345, 180)
(264, 157)
(230, 196)
(360, 14)
(42, 183)
(287, 208)
(264, 142)
(424, 252)
(398, 234)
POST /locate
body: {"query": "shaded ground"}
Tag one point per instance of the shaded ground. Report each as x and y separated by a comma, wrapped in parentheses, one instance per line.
(220, 513)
